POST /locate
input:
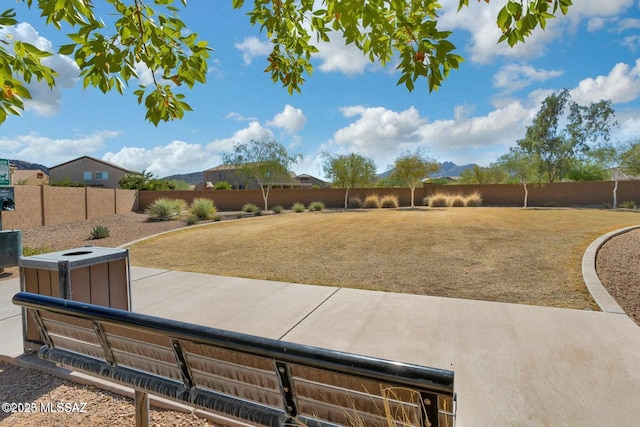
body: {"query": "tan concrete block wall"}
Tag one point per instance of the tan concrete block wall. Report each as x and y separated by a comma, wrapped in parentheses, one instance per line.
(63, 204)
(126, 201)
(28, 211)
(101, 202)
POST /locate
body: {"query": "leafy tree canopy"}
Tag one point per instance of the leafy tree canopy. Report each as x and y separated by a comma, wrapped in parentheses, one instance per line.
(349, 171)
(152, 33)
(266, 161)
(412, 168)
(557, 148)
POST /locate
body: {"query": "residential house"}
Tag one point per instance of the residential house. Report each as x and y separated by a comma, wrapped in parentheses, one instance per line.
(310, 181)
(29, 177)
(90, 171)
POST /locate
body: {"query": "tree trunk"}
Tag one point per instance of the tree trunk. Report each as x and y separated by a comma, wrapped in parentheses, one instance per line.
(413, 190)
(526, 194)
(346, 198)
(615, 193)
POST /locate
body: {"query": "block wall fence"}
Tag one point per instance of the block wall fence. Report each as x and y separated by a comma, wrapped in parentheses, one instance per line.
(45, 205)
(551, 194)
(38, 205)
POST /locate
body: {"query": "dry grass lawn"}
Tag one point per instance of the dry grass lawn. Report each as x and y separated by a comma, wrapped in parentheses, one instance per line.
(527, 256)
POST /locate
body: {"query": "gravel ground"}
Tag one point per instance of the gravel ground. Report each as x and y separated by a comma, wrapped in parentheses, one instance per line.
(618, 267)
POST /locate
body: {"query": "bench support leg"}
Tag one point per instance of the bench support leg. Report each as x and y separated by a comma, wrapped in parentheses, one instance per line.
(141, 402)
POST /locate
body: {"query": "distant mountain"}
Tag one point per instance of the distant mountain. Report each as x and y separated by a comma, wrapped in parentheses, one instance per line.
(446, 169)
(451, 169)
(192, 178)
(22, 165)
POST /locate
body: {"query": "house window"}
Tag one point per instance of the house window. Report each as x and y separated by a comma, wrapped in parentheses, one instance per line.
(102, 176)
(86, 176)
(221, 175)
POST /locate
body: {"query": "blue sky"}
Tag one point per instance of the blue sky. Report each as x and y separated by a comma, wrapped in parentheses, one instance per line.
(348, 104)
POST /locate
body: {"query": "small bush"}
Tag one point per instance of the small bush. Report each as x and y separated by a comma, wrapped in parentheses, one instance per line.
(249, 208)
(473, 200)
(354, 203)
(297, 207)
(456, 201)
(315, 206)
(191, 220)
(218, 217)
(389, 201)
(202, 208)
(222, 185)
(371, 202)
(165, 209)
(437, 200)
(277, 209)
(628, 204)
(99, 232)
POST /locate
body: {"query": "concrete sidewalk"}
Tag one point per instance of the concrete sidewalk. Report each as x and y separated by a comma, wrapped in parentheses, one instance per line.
(515, 365)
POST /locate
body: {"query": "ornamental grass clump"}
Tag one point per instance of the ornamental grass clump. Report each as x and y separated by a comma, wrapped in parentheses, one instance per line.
(389, 201)
(354, 203)
(372, 201)
(315, 206)
(473, 200)
(277, 209)
(249, 208)
(437, 200)
(456, 201)
(297, 207)
(164, 209)
(203, 208)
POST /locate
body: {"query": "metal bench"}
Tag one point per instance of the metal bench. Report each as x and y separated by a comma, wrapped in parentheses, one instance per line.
(258, 380)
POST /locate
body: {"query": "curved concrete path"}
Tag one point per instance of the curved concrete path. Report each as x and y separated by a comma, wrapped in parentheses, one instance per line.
(590, 275)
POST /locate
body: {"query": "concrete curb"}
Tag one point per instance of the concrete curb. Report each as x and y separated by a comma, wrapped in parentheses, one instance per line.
(590, 276)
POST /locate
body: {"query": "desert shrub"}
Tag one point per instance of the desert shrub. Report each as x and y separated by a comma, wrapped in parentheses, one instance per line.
(437, 200)
(276, 209)
(473, 200)
(354, 203)
(297, 207)
(628, 204)
(258, 212)
(371, 202)
(249, 208)
(456, 201)
(315, 206)
(389, 201)
(218, 217)
(191, 220)
(202, 208)
(165, 209)
(99, 232)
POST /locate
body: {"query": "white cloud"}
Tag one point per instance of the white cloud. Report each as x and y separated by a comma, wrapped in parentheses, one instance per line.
(163, 160)
(514, 77)
(254, 132)
(479, 20)
(621, 85)
(383, 134)
(252, 47)
(46, 101)
(336, 56)
(53, 151)
(290, 119)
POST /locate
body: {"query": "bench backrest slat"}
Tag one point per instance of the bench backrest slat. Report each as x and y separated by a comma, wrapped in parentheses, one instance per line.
(252, 378)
